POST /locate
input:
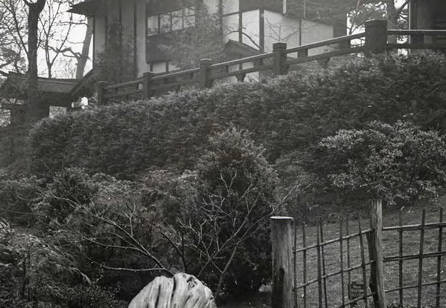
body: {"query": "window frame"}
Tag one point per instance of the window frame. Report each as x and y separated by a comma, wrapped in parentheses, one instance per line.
(186, 16)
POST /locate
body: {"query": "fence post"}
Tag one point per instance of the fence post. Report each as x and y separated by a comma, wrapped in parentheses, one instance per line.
(375, 242)
(280, 66)
(282, 239)
(146, 83)
(375, 36)
(205, 76)
(100, 91)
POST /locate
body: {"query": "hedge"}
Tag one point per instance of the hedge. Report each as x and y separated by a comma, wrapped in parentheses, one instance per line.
(285, 114)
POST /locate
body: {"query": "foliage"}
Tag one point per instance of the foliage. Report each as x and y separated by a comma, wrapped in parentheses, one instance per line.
(17, 197)
(219, 214)
(212, 222)
(185, 48)
(116, 63)
(287, 114)
(58, 202)
(33, 271)
(102, 222)
(398, 163)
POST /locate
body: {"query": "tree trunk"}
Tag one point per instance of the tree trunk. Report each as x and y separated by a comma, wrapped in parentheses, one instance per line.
(82, 61)
(392, 18)
(33, 110)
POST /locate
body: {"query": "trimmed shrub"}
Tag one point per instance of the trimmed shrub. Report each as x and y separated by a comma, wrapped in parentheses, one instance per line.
(286, 114)
(222, 210)
(398, 163)
(17, 198)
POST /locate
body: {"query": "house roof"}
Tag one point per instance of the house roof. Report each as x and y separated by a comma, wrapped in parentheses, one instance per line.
(54, 91)
(234, 50)
(87, 8)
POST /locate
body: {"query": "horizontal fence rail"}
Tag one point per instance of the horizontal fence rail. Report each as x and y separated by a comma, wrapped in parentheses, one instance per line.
(375, 39)
(361, 267)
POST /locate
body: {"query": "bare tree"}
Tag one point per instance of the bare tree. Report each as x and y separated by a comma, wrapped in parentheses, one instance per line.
(34, 10)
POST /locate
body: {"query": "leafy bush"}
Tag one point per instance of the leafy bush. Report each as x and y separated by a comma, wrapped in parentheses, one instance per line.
(17, 198)
(397, 163)
(33, 271)
(286, 114)
(103, 223)
(66, 190)
(219, 214)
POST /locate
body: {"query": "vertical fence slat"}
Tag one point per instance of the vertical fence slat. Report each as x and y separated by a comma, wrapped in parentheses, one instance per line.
(363, 266)
(324, 271)
(420, 259)
(341, 252)
(295, 268)
(349, 275)
(400, 255)
(282, 239)
(375, 241)
(304, 260)
(319, 272)
(439, 261)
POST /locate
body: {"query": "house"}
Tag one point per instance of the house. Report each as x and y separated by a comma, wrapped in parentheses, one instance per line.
(247, 26)
(427, 14)
(55, 95)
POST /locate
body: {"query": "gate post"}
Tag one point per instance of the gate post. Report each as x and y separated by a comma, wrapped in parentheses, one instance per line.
(280, 67)
(375, 243)
(146, 84)
(375, 36)
(205, 73)
(100, 92)
(282, 239)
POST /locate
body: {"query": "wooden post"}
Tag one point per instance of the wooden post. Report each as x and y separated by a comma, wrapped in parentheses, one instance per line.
(282, 239)
(147, 78)
(100, 91)
(375, 241)
(280, 66)
(205, 76)
(375, 36)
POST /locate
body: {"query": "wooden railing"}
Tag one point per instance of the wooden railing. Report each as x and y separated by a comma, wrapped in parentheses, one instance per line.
(374, 40)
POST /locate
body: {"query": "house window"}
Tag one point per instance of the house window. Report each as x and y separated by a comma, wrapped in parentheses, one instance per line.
(56, 110)
(5, 117)
(152, 25)
(177, 20)
(189, 17)
(171, 21)
(162, 67)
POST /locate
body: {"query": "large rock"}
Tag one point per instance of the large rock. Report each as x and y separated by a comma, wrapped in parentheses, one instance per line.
(180, 291)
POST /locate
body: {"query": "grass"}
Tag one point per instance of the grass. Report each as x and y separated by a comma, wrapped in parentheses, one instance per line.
(411, 240)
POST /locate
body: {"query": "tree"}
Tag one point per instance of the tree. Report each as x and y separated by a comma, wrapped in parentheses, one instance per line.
(11, 47)
(358, 11)
(217, 217)
(39, 31)
(188, 46)
(34, 10)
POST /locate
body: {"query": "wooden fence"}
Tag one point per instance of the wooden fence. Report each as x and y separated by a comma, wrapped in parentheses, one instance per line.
(375, 39)
(368, 267)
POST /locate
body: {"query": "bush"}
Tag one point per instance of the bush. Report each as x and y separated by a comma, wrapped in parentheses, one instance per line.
(34, 272)
(17, 198)
(286, 114)
(398, 163)
(103, 223)
(221, 210)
